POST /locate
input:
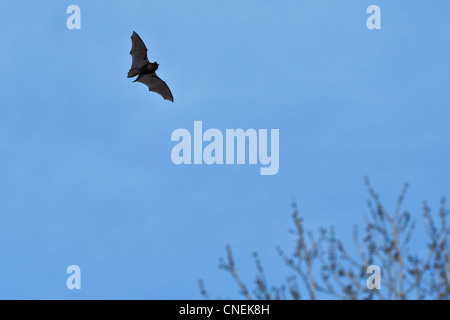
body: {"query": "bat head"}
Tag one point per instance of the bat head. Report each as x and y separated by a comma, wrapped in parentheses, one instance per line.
(152, 67)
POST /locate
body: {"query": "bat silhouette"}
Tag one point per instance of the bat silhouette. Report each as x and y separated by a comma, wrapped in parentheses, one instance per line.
(145, 70)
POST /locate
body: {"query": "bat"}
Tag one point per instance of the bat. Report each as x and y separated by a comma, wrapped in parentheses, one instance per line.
(145, 70)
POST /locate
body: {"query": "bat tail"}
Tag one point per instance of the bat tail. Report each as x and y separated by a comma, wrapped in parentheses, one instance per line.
(133, 72)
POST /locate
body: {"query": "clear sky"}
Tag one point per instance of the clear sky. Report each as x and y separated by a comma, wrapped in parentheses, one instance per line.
(86, 176)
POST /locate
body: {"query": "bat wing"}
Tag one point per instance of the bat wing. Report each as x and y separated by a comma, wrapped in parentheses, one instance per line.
(138, 52)
(155, 84)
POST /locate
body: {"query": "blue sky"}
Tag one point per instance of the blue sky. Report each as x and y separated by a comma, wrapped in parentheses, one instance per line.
(86, 176)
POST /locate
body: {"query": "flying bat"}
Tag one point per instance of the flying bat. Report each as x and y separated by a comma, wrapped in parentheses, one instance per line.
(145, 70)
